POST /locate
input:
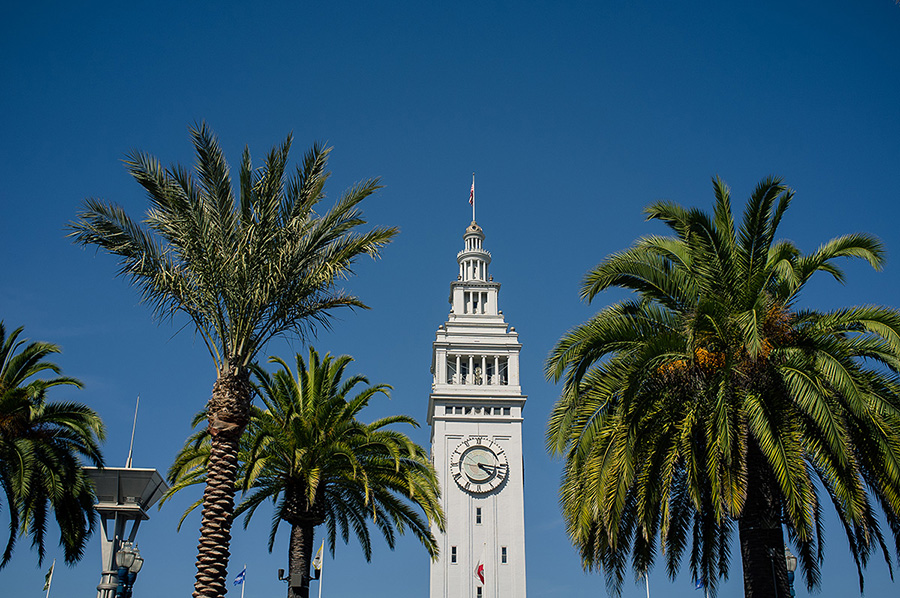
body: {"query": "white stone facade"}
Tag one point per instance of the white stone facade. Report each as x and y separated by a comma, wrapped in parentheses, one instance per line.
(475, 413)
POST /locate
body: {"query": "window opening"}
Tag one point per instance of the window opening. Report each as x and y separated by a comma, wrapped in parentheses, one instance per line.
(451, 371)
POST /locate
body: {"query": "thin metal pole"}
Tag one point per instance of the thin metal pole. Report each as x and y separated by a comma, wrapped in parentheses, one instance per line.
(50, 581)
(647, 581)
(133, 427)
(244, 581)
(473, 197)
(774, 580)
(322, 570)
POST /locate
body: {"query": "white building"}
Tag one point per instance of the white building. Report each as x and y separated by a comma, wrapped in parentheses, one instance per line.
(475, 413)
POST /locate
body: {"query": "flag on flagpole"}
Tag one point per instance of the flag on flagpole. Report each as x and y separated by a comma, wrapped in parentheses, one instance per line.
(472, 197)
(479, 568)
(239, 580)
(49, 577)
(699, 584)
(317, 561)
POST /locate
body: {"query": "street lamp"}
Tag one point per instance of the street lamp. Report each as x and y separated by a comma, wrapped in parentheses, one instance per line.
(129, 561)
(790, 562)
(123, 496)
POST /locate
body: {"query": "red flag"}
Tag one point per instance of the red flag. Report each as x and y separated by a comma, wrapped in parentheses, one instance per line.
(472, 193)
(479, 568)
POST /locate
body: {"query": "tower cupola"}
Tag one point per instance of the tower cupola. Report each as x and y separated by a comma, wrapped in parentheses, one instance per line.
(473, 260)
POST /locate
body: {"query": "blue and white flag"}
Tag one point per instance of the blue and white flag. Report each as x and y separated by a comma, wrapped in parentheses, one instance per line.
(240, 576)
(699, 584)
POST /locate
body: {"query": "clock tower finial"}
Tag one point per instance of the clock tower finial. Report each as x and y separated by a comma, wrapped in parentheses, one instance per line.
(475, 413)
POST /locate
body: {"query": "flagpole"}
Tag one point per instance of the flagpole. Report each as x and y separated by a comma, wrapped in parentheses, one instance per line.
(647, 581)
(319, 565)
(321, 570)
(50, 581)
(473, 197)
(243, 583)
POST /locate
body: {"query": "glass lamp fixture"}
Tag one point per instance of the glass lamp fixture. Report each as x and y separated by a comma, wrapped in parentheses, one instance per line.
(125, 556)
(790, 560)
(139, 562)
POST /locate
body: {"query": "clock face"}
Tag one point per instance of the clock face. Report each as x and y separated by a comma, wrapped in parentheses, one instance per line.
(478, 465)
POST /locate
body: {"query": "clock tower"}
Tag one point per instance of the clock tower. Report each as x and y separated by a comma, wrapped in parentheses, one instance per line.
(475, 413)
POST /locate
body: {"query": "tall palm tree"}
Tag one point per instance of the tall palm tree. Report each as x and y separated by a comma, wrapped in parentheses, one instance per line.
(711, 400)
(243, 270)
(42, 445)
(306, 451)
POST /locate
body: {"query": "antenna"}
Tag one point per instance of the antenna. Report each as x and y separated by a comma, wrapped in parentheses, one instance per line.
(133, 426)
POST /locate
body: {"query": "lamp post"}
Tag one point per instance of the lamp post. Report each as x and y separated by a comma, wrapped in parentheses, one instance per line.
(790, 562)
(123, 496)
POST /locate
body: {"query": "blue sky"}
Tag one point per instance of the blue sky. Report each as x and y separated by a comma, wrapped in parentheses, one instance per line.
(575, 115)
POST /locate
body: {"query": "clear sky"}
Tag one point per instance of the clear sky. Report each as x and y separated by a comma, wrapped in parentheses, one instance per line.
(575, 115)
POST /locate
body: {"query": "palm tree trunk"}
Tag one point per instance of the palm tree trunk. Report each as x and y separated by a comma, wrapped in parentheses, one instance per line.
(761, 536)
(228, 412)
(299, 552)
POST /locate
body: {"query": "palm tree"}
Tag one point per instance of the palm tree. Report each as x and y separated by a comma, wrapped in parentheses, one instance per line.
(42, 445)
(243, 270)
(307, 452)
(711, 401)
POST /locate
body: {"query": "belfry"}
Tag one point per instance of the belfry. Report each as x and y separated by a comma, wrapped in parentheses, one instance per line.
(475, 413)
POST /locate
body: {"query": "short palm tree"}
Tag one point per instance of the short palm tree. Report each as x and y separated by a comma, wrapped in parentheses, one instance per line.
(306, 451)
(243, 270)
(42, 446)
(711, 401)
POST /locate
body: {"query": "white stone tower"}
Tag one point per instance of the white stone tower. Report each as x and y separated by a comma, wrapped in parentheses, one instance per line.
(475, 413)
